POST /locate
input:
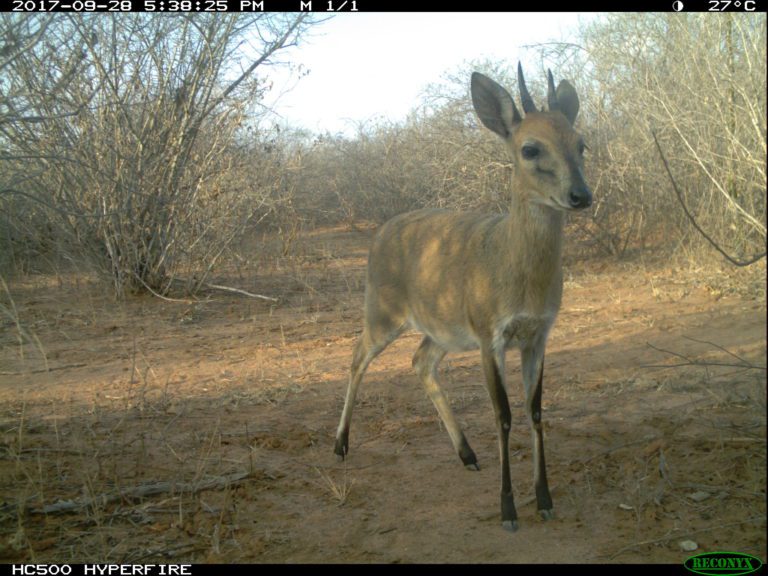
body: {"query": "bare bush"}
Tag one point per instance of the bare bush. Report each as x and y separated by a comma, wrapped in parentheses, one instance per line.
(119, 136)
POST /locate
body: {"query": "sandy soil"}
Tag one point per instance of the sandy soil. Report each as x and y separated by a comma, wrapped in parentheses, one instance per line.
(227, 409)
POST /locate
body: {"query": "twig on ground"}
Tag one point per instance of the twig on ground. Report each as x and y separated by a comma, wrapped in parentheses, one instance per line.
(41, 370)
(68, 506)
(239, 291)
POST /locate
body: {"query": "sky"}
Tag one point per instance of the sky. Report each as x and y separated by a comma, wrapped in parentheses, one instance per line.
(367, 66)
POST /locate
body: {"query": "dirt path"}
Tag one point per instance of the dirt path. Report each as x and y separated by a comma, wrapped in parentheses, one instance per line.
(639, 458)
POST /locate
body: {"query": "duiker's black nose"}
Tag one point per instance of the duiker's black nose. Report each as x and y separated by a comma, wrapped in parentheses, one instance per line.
(580, 197)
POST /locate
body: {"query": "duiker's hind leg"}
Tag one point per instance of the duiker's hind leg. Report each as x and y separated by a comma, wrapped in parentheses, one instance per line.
(371, 344)
(425, 361)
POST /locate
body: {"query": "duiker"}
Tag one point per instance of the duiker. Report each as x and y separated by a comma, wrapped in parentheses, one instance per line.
(492, 282)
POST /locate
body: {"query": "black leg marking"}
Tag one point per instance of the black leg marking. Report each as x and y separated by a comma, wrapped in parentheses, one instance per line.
(341, 447)
(467, 455)
(543, 497)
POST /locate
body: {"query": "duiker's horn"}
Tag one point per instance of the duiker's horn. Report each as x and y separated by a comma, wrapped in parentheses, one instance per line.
(551, 93)
(525, 97)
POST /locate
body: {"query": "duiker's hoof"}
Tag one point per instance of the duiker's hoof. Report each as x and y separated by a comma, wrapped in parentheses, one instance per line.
(340, 449)
(547, 514)
(510, 525)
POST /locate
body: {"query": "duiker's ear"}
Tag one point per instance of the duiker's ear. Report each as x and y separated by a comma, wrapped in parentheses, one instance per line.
(494, 105)
(568, 100)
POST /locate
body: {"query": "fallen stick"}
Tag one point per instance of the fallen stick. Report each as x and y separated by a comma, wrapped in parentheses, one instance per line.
(69, 506)
(239, 291)
(40, 370)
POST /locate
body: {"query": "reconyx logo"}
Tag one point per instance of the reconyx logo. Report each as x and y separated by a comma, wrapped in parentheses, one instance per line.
(723, 563)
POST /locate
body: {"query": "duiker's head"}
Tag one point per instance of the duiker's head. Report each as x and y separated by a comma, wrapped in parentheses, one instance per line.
(548, 152)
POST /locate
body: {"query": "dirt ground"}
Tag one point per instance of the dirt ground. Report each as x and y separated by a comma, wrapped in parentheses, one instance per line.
(151, 431)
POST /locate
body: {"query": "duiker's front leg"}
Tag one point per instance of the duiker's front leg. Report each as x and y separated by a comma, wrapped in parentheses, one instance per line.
(533, 375)
(494, 380)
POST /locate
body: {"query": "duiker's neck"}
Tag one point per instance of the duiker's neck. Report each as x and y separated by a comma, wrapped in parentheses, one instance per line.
(536, 223)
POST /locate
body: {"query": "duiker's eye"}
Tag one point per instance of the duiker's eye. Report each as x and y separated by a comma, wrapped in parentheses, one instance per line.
(582, 147)
(530, 152)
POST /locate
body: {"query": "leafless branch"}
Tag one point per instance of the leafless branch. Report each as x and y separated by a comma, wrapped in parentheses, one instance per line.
(679, 195)
(690, 362)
